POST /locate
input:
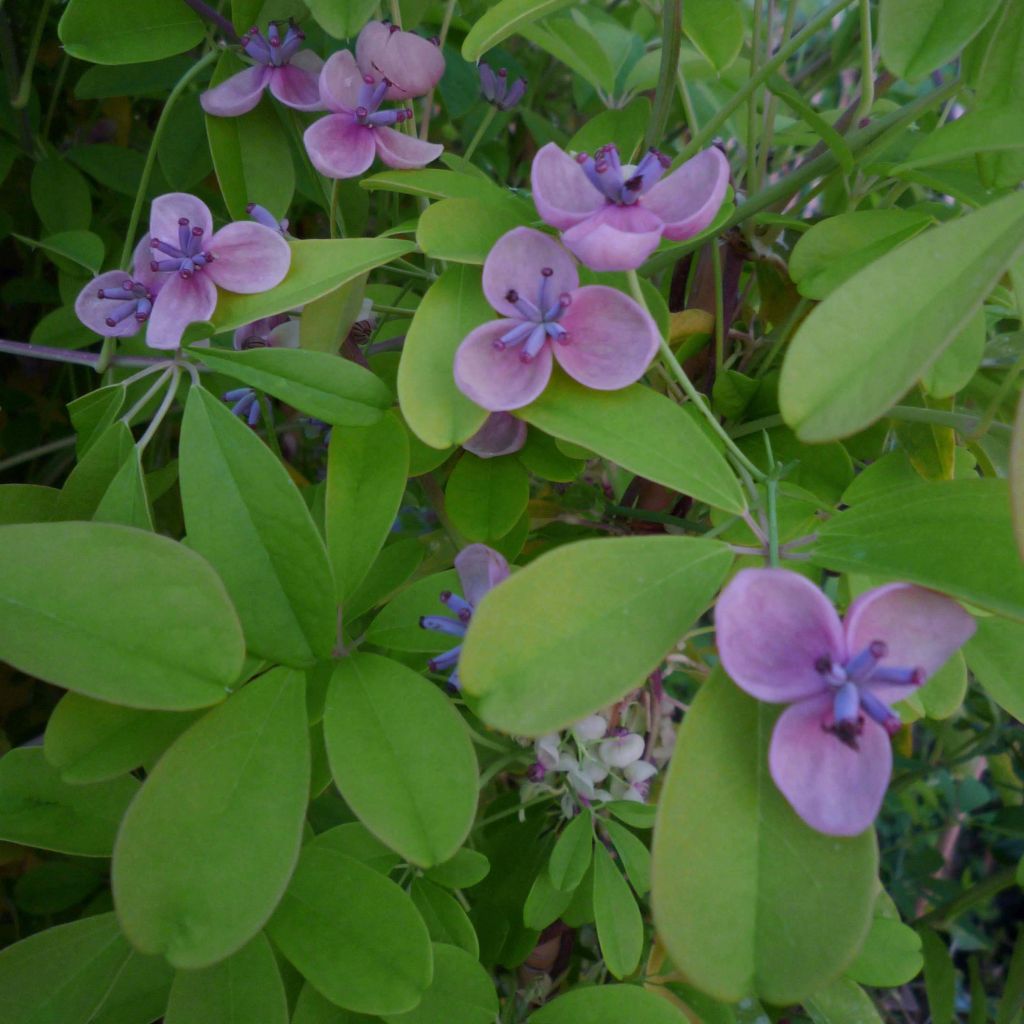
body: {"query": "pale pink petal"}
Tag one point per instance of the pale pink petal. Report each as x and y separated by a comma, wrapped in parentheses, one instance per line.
(297, 86)
(238, 94)
(501, 434)
(499, 380)
(338, 146)
(141, 269)
(834, 788)
(403, 151)
(615, 238)
(920, 629)
(340, 82)
(167, 210)
(515, 262)
(690, 197)
(773, 626)
(93, 311)
(562, 193)
(480, 568)
(612, 339)
(181, 301)
(247, 257)
(413, 65)
(286, 335)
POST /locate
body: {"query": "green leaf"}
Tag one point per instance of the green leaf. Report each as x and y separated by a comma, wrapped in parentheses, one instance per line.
(342, 21)
(463, 871)
(637, 815)
(366, 476)
(716, 28)
(461, 991)
(355, 840)
(954, 369)
(117, 614)
(995, 654)
(94, 412)
(393, 566)
(545, 903)
(60, 195)
(39, 809)
(206, 850)
(954, 536)
(1016, 474)
(246, 988)
(319, 265)
(444, 917)
(818, 124)
(435, 183)
(502, 20)
(608, 1004)
(328, 387)
(70, 250)
(434, 408)
(598, 616)
(939, 978)
(325, 323)
(941, 696)
(89, 481)
(486, 497)
(917, 38)
(125, 501)
(571, 856)
(398, 625)
(313, 1008)
(623, 126)
(571, 41)
(1012, 1001)
(635, 857)
(890, 956)
(27, 503)
(57, 885)
(979, 131)
(620, 928)
(842, 1002)
(542, 456)
(245, 515)
(641, 431)
(156, 28)
(410, 777)
(354, 934)
(733, 850)
(902, 311)
(80, 973)
(465, 230)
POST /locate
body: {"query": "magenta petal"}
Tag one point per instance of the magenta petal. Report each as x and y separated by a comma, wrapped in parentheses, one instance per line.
(773, 625)
(413, 65)
(834, 788)
(339, 147)
(499, 380)
(340, 82)
(168, 209)
(615, 238)
(612, 340)
(689, 198)
(247, 258)
(403, 151)
(501, 434)
(93, 311)
(515, 262)
(181, 301)
(562, 193)
(237, 94)
(480, 569)
(297, 86)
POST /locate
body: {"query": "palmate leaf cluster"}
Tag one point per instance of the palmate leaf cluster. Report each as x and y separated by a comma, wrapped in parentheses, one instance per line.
(232, 790)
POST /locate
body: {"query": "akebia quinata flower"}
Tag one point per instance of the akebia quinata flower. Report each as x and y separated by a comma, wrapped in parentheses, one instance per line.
(344, 143)
(599, 336)
(410, 64)
(494, 85)
(117, 304)
(781, 640)
(290, 73)
(480, 570)
(613, 215)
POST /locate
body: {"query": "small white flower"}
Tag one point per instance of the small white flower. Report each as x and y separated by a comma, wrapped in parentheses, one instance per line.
(593, 727)
(594, 770)
(621, 751)
(640, 771)
(547, 750)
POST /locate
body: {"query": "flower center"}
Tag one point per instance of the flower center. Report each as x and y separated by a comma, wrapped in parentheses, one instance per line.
(618, 183)
(132, 298)
(371, 95)
(187, 256)
(539, 319)
(273, 49)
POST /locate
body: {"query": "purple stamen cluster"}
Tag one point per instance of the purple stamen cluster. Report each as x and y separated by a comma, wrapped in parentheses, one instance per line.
(246, 404)
(272, 49)
(371, 95)
(133, 298)
(539, 319)
(186, 257)
(621, 183)
(263, 216)
(452, 627)
(496, 89)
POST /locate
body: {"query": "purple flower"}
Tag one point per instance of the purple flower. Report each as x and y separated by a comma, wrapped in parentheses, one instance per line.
(116, 304)
(410, 64)
(480, 569)
(614, 215)
(290, 73)
(781, 640)
(501, 434)
(496, 89)
(263, 216)
(279, 331)
(598, 335)
(343, 144)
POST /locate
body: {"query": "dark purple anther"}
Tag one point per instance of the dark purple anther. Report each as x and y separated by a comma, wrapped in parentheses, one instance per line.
(539, 319)
(496, 89)
(273, 49)
(132, 298)
(186, 257)
(622, 185)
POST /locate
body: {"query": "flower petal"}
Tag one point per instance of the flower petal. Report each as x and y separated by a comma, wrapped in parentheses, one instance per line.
(338, 146)
(834, 788)
(499, 380)
(562, 193)
(397, 149)
(238, 94)
(180, 302)
(167, 210)
(340, 82)
(413, 65)
(772, 626)
(615, 238)
(248, 258)
(612, 339)
(285, 335)
(480, 569)
(297, 86)
(690, 197)
(501, 434)
(93, 311)
(141, 269)
(515, 262)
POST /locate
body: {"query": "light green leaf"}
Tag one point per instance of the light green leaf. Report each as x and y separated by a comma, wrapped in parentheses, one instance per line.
(716, 28)
(620, 928)
(444, 917)
(598, 616)
(94, 412)
(571, 856)
(486, 497)
(27, 503)
(939, 978)
(434, 183)
(842, 1002)
(545, 903)
(117, 614)
(608, 1004)
(313, 1008)
(979, 131)
(39, 809)
(393, 566)
(463, 871)
(732, 860)
(355, 840)
(465, 230)
(342, 21)
(410, 777)
(89, 481)
(573, 43)
(244, 513)
(956, 366)
(1017, 476)
(635, 857)
(326, 322)
(71, 249)
(502, 20)
(205, 851)
(995, 654)
(397, 626)
(461, 991)
(902, 311)
(623, 126)
(156, 28)
(125, 501)
(641, 431)
(890, 956)
(818, 124)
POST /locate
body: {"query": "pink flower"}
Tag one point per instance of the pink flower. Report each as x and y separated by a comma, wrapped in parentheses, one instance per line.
(289, 73)
(116, 304)
(343, 144)
(612, 215)
(781, 640)
(598, 335)
(501, 434)
(410, 64)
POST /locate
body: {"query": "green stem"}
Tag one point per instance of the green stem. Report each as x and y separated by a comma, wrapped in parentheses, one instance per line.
(51, 108)
(684, 96)
(336, 215)
(20, 98)
(647, 516)
(36, 453)
(867, 64)
(141, 404)
(772, 104)
(480, 132)
(165, 406)
(981, 892)
(716, 264)
(147, 169)
(671, 33)
(755, 55)
(772, 511)
(997, 400)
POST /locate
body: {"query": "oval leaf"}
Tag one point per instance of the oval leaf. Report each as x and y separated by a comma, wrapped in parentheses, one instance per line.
(620, 928)
(461, 991)
(608, 1004)
(465, 230)
(502, 20)
(156, 28)
(485, 497)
